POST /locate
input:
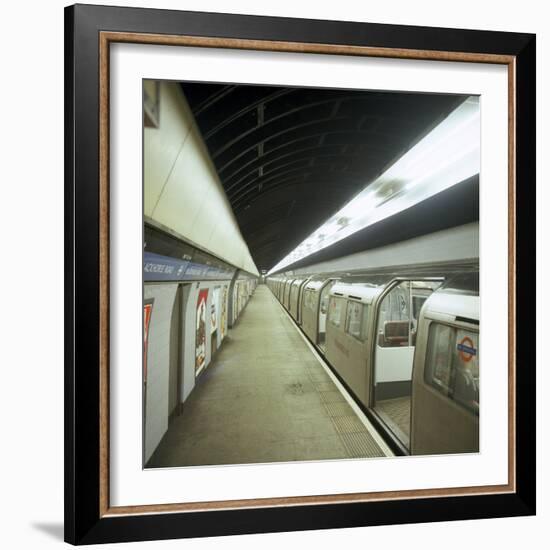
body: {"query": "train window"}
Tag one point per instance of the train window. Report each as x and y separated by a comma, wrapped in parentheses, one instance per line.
(354, 319)
(307, 299)
(438, 371)
(325, 296)
(399, 311)
(293, 289)
(418, 302)
(364, 326)
(335, 310)
(394, 320)
(452, 364)
(310, 299)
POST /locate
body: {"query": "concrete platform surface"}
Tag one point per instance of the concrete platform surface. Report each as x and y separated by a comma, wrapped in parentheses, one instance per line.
(264, 398)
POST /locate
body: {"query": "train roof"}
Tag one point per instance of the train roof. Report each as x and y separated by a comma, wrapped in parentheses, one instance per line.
(316, 284)
(363, 292)
(456, 300)
(450, 307)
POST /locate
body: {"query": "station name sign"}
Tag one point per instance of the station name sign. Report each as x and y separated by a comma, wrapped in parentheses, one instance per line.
(157, 267)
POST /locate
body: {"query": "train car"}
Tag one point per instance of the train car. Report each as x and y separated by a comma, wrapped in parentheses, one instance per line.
(314, 308)
(348, 334)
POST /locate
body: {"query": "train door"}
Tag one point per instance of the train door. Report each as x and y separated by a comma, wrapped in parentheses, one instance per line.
(396, 325)
(323, 308)
(294, 298)
(286, 298)
(300, 305)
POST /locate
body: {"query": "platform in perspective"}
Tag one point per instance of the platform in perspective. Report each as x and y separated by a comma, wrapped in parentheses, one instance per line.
(265, 398)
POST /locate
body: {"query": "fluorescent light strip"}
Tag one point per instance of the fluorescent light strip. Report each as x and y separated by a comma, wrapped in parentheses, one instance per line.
(448, 155)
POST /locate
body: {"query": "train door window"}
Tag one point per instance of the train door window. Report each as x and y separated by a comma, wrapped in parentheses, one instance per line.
(452, 364)
(417, 302)
(323, 305)
(309, 298)
(294, 292)
(322, 313)
(394, 318)
(364, 325)
(335, 310)
(354, 319)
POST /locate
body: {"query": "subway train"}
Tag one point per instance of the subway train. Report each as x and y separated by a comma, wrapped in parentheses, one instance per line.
(404, 342)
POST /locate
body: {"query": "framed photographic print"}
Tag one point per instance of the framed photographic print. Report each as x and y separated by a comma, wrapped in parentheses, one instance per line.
(299, 274)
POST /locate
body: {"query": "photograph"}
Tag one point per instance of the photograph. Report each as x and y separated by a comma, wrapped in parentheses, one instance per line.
(339, 229)
(274, 275)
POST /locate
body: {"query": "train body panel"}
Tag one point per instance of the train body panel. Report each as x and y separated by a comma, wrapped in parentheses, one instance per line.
(446, 373)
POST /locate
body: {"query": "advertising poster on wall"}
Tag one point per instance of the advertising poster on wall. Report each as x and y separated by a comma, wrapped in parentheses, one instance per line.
(200, 336)
(214, 310)
(223, 322)
(147, 311)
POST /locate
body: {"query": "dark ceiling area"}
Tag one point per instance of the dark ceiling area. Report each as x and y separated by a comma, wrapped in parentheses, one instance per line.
(289, 158)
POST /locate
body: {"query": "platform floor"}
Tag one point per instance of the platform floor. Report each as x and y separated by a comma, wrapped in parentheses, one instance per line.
(264, 398)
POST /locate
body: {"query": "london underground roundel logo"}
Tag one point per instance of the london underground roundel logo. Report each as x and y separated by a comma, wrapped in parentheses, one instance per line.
(466, 349)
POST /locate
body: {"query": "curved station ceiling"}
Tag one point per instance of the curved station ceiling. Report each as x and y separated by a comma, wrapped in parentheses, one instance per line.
(289, 158)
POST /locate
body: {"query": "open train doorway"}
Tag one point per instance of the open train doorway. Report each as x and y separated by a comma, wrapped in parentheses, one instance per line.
(397, 323)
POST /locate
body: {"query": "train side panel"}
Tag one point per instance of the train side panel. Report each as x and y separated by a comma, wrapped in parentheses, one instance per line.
(445, 399)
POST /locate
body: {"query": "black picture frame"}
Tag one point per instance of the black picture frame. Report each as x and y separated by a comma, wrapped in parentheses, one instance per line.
(85, 523)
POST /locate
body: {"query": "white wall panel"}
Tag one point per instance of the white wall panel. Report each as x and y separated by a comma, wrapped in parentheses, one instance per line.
(164, 144)
(158, 364)
(182, 189)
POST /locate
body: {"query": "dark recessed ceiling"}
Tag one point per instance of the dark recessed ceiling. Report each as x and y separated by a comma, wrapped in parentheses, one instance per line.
(289, 158)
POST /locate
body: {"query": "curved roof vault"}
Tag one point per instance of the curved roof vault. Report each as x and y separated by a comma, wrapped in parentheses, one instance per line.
(289, 158)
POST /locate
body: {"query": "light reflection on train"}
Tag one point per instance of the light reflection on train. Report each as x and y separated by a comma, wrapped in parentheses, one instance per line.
(405, 343)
